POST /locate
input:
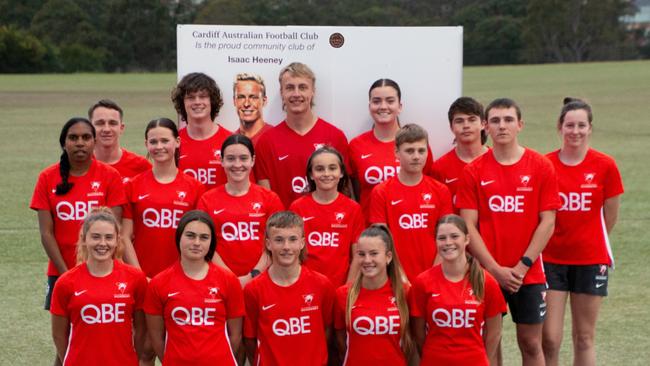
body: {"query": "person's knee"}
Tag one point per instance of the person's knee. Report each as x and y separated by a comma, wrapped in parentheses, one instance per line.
(583, 341)
(551, 345)
(530, 344)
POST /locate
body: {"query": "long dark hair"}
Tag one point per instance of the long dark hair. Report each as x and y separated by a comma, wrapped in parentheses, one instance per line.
(64, 161)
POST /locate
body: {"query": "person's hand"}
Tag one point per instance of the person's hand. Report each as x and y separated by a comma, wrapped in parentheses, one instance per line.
(508, 278)
(521, 269)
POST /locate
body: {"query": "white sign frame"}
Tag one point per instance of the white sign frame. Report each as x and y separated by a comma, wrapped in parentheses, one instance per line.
(425, 61)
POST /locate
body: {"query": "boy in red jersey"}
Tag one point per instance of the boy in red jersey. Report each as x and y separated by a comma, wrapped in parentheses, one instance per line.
(511, 195)
(288, 307)
(411, 203)
(467, 123)
(282, 151)
(249, 97)
(197, 99)
(107, 116)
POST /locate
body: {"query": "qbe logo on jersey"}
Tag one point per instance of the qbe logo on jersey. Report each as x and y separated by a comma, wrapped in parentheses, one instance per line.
(414, 221)
(299, 184)
(163, 218)
(103, 313)
(195, 316)
(204, 176)
(240, 231)
(576, 201)
(378, 325)
(292, 326)
(454, 318)
(510, 204)
(74, 211)
(324, 239)
(376, 175)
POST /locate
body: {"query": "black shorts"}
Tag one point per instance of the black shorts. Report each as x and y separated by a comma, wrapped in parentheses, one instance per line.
(528, 305)
(49, 287)
(582, 279)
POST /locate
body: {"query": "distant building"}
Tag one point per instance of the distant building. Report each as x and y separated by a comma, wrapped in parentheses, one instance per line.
(639, 23)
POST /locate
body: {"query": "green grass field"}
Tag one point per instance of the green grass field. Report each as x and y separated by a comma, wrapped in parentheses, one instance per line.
(34, 107)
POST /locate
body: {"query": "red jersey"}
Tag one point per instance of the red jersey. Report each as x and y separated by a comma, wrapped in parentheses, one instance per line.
(330, 230)
(289, 322)
(580, 235)
(411, 213)
(373, 161)
(373, 338)
(454, 317)
(240, 223)
(195, 314)
(508, 199)
(282, 155)
(100, 311)
(449, 170)
(156, 208)
(100, 186)
(259, 133)
(201, 159)
(130, 165)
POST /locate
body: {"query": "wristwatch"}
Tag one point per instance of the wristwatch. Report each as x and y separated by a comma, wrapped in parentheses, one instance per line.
(255, 273)
(527, 261)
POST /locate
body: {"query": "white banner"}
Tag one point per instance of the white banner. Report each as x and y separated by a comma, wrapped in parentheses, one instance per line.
(425, 61)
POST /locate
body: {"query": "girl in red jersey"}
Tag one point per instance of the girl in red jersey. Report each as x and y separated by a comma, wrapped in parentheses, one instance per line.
(578, 255)
(372, 154)
(194, 308)
(467, 123)
(456, 306)
(239, 210)
(97, 306)
(158, 198)
(289, 306)
(371, 314)
(332, 220)
(67, 191)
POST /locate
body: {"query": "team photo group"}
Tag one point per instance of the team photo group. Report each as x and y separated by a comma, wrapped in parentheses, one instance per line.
(285, 244)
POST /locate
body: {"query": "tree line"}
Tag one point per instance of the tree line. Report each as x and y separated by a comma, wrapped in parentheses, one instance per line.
(140, 35)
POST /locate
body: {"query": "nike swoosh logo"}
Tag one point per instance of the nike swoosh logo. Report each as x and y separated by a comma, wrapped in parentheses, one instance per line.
(365, 156)
(599, 285)
(435, 295)
(395, 202)
(450, 180)
(486, 182)
(305, 219)
(182, 156)
(542, 313)
(143, 196)
(172, 294)
(77, 293)
(216, 212)
(283, 157)
(267, 307)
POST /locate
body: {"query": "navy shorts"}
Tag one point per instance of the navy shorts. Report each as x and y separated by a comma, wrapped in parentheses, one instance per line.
(582, 279)
(528, 305)
(51, 280)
